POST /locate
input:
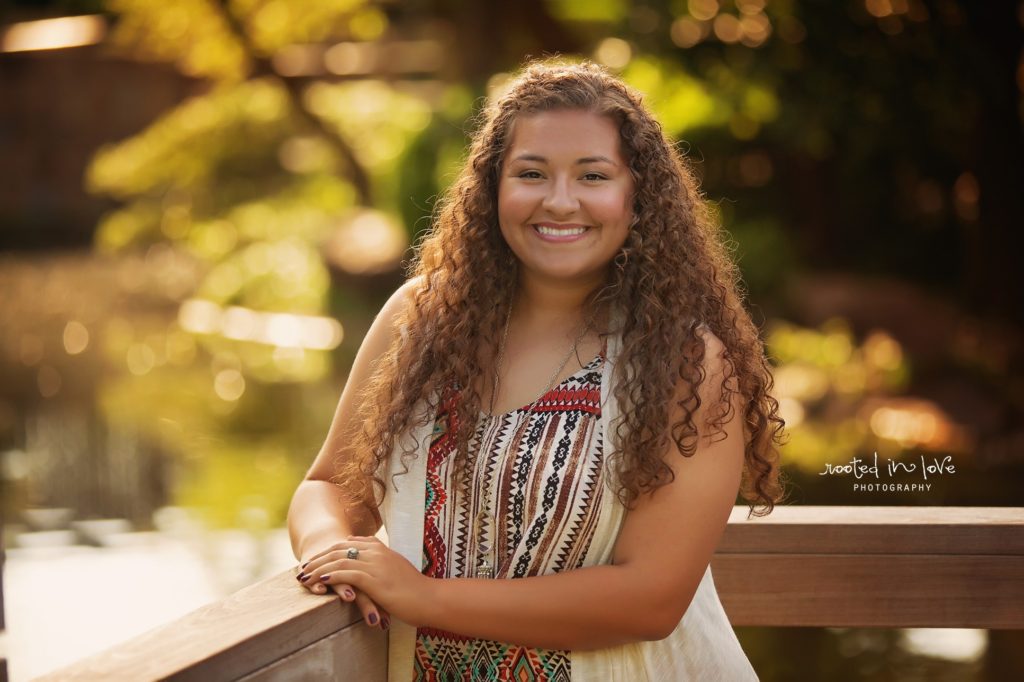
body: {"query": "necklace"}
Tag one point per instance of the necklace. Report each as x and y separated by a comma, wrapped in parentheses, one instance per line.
(485, 560)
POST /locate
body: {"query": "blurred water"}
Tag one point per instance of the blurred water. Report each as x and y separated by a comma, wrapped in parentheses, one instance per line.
(65, 602)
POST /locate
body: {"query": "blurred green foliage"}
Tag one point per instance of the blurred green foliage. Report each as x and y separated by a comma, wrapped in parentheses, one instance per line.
(237, 180)
(846, 135)
(196, 35)
(261, 180)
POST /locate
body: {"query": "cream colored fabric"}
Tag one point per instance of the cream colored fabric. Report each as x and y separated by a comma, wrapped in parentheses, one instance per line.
(702, 647)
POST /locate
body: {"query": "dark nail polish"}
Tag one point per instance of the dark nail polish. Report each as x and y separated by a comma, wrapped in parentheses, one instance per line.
(304, 565)
(373, 618)
(350, 594)
(325, 577)
(300, 576)
(305, 578)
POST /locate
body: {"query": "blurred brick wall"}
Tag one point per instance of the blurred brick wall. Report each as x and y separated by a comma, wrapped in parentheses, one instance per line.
(57, 107)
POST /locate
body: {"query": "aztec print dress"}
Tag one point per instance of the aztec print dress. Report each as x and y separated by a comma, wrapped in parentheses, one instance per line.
(543, 468)
(556, 509)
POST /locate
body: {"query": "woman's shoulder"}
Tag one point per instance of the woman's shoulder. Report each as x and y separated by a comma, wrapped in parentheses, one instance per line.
(395, 309)
(412, 285)
(406, 293)
(402, 301)
(391, 319)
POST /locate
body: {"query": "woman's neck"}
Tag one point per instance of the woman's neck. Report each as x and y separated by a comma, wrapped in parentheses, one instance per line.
(541, 303)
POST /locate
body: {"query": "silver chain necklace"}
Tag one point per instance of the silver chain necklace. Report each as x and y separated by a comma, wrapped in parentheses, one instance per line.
(486, 561)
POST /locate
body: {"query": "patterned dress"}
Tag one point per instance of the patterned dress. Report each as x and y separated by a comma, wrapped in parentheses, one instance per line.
(544, 471)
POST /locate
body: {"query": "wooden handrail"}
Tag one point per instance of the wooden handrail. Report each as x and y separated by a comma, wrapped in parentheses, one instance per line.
(806, 566)
(874, 567)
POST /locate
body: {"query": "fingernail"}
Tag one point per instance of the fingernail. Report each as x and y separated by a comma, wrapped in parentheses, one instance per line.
(304, 578)
(325, 577)
(350, 594)
(304, 565)
(300, 576)
(373, 619)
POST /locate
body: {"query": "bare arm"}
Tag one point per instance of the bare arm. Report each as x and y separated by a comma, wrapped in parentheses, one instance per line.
(660, 556)
(317, 517)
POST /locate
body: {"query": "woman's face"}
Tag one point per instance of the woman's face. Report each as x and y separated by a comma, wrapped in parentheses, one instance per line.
(565, 198)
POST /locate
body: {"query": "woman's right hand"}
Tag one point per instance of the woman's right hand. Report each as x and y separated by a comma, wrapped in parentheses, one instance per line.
(373, 616)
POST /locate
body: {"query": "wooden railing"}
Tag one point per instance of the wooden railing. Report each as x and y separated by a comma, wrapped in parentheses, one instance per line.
(800, 566)
(892, 567)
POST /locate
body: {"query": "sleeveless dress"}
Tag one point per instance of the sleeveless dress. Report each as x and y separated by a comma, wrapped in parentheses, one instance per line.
(543, 471)
(555, 509)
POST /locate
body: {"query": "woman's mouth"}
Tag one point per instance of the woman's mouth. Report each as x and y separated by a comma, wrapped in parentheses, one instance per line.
(555, 232)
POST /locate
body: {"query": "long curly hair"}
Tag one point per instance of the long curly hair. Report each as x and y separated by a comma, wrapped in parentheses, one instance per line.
(672, 275)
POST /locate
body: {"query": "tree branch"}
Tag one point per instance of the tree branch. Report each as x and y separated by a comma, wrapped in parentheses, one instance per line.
(262, 67)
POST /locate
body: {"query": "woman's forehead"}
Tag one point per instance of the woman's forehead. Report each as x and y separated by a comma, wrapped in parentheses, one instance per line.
(564, 133)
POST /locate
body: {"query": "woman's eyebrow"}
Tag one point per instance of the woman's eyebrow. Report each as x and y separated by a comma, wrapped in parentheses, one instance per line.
(579, 161)
(596, 159)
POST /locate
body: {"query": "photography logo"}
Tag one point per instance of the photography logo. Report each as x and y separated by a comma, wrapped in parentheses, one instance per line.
(869, 477)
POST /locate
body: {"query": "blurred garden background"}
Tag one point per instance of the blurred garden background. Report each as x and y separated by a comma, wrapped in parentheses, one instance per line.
(203, 203)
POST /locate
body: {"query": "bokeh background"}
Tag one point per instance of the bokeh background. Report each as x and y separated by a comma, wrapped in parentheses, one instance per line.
(203, 203)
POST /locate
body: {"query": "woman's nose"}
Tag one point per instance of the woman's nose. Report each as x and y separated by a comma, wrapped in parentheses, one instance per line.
(560, 199)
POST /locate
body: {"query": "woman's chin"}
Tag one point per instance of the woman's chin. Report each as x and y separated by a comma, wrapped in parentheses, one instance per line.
(567, 272)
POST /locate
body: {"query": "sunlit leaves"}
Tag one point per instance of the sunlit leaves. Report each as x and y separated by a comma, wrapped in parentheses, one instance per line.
(822, 380)
(683, 101)
(433, 158)
(608, 11)
(237, 458)
(367, 24)
(305, 208)
(242, 484)
(251, 189)
(192, 34)
(680, 101)
(127, 226)
(377, 120)
(196, 36)
(759, 103)
(235, 127)
(209, 176)
(284, 275)
(273, 24)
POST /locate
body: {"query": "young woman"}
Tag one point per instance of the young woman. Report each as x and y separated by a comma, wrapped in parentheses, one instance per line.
(557, 411)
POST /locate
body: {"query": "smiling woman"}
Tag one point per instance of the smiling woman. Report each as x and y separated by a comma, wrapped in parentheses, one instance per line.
(558, 410)
(565, 212)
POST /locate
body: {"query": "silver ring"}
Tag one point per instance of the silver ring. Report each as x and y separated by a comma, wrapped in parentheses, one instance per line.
(353, 553)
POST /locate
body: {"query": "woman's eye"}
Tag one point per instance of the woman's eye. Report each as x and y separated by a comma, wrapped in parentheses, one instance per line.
(530, 175)
(593, 176)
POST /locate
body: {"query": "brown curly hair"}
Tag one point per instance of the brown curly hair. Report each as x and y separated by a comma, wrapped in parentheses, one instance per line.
(672, 276)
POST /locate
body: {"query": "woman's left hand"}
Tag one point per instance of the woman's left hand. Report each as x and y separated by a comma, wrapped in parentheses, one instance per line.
(383, 574)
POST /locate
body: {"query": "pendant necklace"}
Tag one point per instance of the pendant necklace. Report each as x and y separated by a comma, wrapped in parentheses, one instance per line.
(486, 561)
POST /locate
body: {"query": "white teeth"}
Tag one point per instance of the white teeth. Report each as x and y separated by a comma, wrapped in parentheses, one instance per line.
(553, 232)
